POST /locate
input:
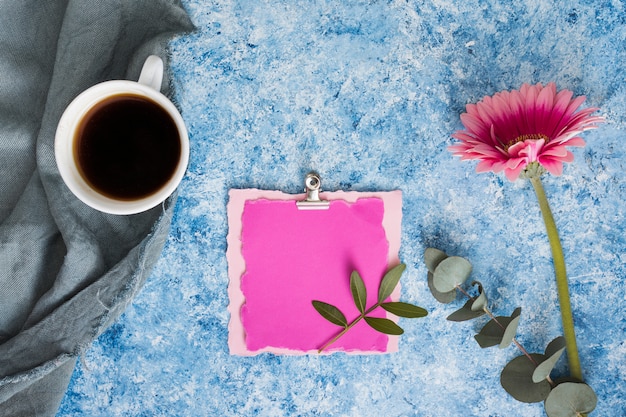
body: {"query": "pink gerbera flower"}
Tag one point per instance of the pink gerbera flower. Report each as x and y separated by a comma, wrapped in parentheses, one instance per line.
(514, 129)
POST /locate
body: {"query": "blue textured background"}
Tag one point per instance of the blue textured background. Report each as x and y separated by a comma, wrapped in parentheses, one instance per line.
(367, 93)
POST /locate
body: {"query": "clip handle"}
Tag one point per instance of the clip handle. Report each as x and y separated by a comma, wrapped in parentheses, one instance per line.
(312, 184)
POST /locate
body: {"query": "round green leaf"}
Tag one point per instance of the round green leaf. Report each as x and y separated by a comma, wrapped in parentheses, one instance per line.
(491, 334)
(465, 312)
(442, 297)
(385, 326)
(330, 313)
(555, 346)
(481, 301)
(511, 329)
(404, 309)
(432, 258)
(359, 294)
(451, 272)
(570, 399)
(545, 367)
(516, 379)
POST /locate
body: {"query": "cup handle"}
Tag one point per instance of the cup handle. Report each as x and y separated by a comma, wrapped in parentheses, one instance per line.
(152, 72)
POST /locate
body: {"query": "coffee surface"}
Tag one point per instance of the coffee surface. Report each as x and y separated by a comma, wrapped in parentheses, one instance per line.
(127, 147)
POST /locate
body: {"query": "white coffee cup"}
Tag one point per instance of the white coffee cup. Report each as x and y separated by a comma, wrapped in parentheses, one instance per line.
(67, 134)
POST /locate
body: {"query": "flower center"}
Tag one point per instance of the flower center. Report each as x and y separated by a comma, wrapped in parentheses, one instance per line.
(531, 136)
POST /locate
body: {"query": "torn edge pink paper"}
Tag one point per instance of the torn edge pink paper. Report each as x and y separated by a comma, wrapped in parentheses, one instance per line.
(267, 335)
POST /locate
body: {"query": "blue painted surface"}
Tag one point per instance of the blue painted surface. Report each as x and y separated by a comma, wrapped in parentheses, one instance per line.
(367, 93)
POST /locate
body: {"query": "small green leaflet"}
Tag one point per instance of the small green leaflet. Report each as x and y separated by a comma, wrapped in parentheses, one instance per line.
(384, 325)
(359, 293)
(406, 310)
(330, 313)
(389, 282)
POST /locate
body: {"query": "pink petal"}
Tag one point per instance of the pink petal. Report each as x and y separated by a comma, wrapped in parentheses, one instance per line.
(569, 157)
(485, 166)
(574, 105)
(524, 89)
(465, 137)
(576, 141)
(529, 104)
(487, 150)
(471, 109)
(518, 115)
(557, 151)
(532, 149)
(553, 166)
(486, 112)
(473, 124)
(513, 173)
(508, 118)
(545, 103)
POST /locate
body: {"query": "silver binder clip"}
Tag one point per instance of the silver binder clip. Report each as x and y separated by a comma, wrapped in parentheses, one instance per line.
(312, 184)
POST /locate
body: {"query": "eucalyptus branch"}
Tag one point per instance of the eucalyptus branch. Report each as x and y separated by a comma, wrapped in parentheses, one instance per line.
(495, 320)
(515, 341)
(527, 377)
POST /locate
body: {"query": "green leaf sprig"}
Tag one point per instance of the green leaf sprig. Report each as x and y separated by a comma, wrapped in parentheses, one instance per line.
(526, 378)
(359, 295)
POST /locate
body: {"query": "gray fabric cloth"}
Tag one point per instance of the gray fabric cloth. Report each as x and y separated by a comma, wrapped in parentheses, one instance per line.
(66, 270)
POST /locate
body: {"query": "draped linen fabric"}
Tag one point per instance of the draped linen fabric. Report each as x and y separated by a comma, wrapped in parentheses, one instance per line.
(66, 271)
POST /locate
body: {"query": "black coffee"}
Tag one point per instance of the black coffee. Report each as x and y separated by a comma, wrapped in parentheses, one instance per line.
(127, 147)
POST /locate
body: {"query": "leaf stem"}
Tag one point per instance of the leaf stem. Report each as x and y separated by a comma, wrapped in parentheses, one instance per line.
(518, 344)
(465, 293)
(492, 317)
(348, 327)
(561, 279)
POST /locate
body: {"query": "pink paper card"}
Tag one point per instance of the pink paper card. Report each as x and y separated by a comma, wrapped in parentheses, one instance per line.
(281, 258)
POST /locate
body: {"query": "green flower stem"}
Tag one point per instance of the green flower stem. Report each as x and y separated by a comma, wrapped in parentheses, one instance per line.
(561, 279)
(348, 327)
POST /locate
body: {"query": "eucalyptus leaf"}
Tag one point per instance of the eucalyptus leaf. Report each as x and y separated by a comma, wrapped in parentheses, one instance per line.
(359, 293)
(465, 312)
(491, 334)
(451, 272)
(404, 309)
(385, 326)
(555, 345)
(553, 353)
(442, 297)
(389, 282)
(481, 301)
(511, 329)
(432, 258)
(543, 370)
(330, 313)
(516, 379)
(570, 399)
